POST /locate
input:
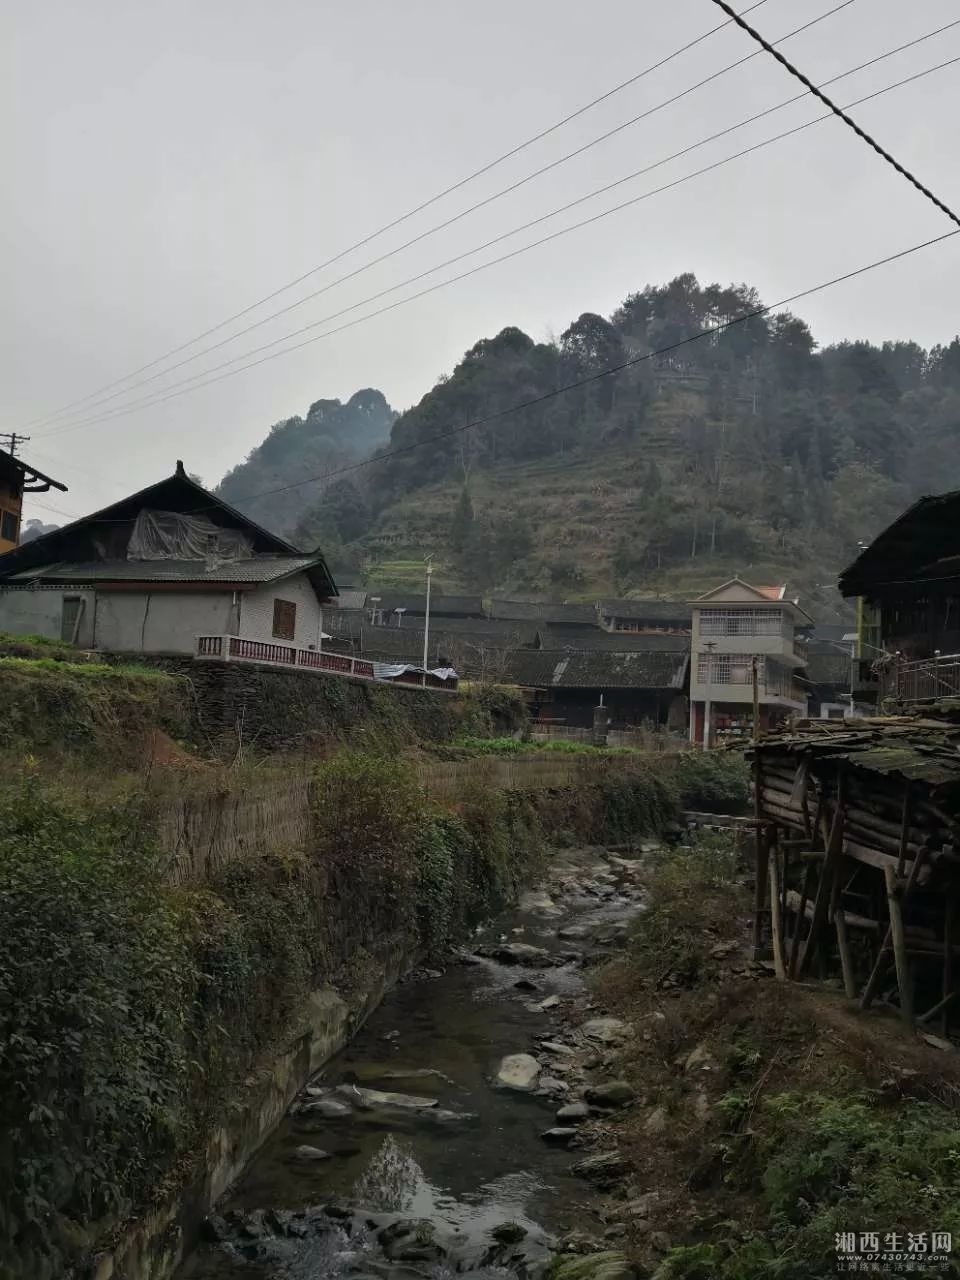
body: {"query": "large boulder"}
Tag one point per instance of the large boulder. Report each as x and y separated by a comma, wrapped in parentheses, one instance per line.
(615, 1094)
(519, 1071)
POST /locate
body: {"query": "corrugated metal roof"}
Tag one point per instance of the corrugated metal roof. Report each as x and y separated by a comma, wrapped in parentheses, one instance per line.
(256, 569)
(546, 669)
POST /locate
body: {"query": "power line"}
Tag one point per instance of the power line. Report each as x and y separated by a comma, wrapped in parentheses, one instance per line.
(839, 111)
(404, 217)
(605, 373)
(185, 386)
(611, 371)
(441, 226)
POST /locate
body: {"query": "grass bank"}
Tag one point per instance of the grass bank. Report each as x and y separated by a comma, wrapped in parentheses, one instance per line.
(774, 1116)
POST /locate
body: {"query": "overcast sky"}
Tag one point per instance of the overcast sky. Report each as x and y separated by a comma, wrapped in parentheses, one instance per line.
(166, 165)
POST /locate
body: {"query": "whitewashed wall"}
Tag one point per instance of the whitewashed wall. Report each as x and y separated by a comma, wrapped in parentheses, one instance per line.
(256, 610)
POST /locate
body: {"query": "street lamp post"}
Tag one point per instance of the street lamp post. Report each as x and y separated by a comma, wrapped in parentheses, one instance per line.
(426, 621)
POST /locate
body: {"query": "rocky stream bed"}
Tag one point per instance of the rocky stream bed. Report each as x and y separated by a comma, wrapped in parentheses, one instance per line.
(464, 1129)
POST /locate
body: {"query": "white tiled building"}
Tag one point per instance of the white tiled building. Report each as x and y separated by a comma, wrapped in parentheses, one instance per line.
(733, 626)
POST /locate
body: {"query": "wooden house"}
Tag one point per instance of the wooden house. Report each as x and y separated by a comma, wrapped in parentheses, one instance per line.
(17, 478)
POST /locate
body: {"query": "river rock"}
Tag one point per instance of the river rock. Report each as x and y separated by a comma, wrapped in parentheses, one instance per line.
(561, 1136)
(656, 1122)
(554, 1046)
(641, 1206)
(519, 953)
(573, 932)
(524, 984)
(537, 900)
(308, 1155)
(325, 1108)
(416, 1073)
(519, 1071)
(509, 1233)
(615, 1094)
(606, 1030)
(700, 1060)
(369, 1098)
(551, 1002)
(602, 1166)
(551, 1085)
(574, 1111)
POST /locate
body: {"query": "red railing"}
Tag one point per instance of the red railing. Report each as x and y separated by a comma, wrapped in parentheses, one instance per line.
(262, 651)
(237, 649)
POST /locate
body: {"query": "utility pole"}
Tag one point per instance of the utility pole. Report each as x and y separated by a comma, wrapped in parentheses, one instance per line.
(426, 622)
(14, 440)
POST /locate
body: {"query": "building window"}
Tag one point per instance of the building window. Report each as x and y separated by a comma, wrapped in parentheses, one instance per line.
(728, 668)
(284, 619)
(741, 622)
(8, 526)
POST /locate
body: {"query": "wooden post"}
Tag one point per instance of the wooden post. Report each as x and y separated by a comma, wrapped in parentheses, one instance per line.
(870, 990)
(904, 979)
(822, 900)
(843, 940)
(756, 697)
(904, 829)
(808, 875)
(948, 928)
(760, 845)
(776, 924)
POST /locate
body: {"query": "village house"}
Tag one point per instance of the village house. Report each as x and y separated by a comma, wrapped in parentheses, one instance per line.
(907, 585)
(566, 688)
(644, 616)
(158, 570)
(16, 479)
(735, 626)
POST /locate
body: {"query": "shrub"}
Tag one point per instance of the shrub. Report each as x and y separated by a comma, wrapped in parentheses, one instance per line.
(95, 978)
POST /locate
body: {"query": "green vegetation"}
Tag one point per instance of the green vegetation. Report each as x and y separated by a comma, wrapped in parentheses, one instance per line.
(132, 1012)
(807, 1119)
(55, 706)
(754, 451)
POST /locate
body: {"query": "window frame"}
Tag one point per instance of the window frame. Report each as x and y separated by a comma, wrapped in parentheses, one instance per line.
(5, 515)
(284, 619)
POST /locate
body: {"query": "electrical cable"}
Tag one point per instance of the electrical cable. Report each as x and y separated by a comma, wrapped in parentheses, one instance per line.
(185, 386)
(839, 111)
(404, 217)
(588, 380)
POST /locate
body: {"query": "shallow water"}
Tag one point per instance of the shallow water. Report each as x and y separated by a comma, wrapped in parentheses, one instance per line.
(476, 1161)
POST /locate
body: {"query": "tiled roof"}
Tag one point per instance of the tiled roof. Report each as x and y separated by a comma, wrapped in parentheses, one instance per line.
(347, 598)
(548, 611)
(457, 632)
(648, 610)
(463, 606)
(772, 593)
(546, 669)
(599, 641)
(254, 570)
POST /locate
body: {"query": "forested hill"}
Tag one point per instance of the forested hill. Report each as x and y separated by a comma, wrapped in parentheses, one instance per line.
(331, 435)
(751, 451)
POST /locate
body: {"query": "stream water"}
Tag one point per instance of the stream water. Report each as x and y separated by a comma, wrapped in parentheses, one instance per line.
(468, 1157)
